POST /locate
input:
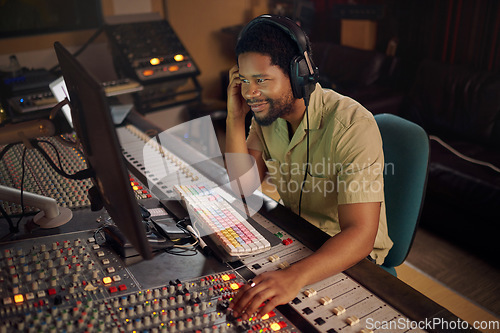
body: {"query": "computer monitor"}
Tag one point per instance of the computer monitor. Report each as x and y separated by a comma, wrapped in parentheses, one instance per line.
(94, 128)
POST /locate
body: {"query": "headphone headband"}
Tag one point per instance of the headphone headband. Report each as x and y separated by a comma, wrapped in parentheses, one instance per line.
(285, 24)
(304, 73)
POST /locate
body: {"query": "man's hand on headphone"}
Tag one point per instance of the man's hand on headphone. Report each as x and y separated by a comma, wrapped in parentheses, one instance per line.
(236, 105)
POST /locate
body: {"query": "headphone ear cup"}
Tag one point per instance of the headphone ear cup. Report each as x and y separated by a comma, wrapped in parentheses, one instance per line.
(300, 77)
(297, 76)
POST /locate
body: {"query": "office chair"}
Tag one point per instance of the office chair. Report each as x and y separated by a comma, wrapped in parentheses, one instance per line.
(406, 154)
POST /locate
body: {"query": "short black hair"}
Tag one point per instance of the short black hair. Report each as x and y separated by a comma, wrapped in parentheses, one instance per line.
(268, 39)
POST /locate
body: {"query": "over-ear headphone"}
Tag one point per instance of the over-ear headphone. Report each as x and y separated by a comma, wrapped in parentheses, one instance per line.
(303, 73)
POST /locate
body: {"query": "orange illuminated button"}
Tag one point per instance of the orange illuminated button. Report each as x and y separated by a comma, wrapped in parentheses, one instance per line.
(173, 68)
(19, 298)
(148, 72)
(275, 327)
(107, 280)
(154, 61)
(178, 57)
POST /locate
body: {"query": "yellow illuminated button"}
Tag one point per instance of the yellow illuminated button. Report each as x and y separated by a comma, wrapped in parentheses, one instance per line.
(19, 298)
(107, 280)
(178, 57)
(135, 188)
(225, 277)
(234, 286)
(154, 61)
(265, 317)
(275, 327)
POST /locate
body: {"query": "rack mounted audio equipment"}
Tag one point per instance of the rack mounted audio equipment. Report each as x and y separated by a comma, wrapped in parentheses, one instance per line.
(146, 48)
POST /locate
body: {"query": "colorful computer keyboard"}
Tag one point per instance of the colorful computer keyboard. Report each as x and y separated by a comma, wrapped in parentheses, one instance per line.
(223, 223)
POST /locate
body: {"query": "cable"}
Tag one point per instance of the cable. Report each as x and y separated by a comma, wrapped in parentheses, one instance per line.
(22, 188)
(6, 216)
(462, 156)
(83, 47)
(82, 174)
(7, 148)
(307, 160)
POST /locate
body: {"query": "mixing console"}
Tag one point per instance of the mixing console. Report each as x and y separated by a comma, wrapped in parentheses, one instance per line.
(41, 178)
(69, 283)
(164, 168)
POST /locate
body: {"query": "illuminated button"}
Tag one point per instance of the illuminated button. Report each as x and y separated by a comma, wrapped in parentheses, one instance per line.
(178, 57)
(353, 320)
(234, 286)
(173, 68)
(122, 287)
(52, 291)
(113, 289)
(148, 72)
(287, 241)
(154, 61)
(19, 298)
(275, 327)
(107, 280)
(225, 277)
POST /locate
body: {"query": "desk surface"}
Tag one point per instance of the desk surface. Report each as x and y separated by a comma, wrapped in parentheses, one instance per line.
(168, 267)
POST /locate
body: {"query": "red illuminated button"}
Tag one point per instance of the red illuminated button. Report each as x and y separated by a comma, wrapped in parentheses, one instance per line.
(51, 291)
(122, 287)
(113, 289)
(287, 241)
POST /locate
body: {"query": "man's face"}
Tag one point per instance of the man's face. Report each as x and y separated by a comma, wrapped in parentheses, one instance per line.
(265, 87)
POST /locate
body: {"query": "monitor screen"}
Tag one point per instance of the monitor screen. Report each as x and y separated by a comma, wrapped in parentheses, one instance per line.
(94, 128)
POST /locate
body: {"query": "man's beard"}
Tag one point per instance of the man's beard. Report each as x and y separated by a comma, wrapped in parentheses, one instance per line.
(277, 108)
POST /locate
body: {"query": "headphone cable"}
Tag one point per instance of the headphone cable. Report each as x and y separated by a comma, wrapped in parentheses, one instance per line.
(307, 158)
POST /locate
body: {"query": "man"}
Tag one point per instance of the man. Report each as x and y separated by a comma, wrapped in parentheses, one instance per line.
(323, 152)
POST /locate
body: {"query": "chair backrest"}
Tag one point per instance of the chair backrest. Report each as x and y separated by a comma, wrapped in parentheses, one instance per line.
(406, 155)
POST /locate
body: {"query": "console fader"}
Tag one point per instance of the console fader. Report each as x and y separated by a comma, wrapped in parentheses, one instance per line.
(69, 283)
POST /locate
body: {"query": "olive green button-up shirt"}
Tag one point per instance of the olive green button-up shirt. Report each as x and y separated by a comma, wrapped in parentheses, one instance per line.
(346, 162)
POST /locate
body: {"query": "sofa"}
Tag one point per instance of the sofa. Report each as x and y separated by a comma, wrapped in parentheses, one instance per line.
(370, 77)
(459, 107)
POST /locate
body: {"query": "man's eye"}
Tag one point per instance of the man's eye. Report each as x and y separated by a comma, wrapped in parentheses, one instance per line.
(244, 80)
(261, 80)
